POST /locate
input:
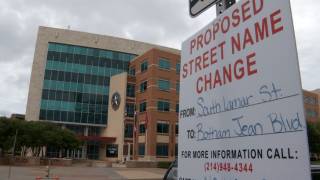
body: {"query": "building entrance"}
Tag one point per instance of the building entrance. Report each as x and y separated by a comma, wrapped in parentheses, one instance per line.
(93, 149)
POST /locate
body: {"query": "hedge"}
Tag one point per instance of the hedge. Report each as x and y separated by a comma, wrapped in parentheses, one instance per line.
(164, 164)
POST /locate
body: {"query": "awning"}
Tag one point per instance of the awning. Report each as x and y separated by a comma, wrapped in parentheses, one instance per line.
(97, 138)
(102, 138)
(82, 137)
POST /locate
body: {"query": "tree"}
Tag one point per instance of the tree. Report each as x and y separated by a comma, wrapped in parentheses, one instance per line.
(314, 137)
(33, 136)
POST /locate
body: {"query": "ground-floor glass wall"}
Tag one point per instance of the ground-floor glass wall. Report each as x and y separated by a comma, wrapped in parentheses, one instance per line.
(93, 149)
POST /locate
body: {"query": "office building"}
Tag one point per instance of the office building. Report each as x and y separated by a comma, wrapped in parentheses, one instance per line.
(92, 84)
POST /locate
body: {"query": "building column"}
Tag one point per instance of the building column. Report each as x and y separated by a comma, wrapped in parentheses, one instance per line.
(129, 148)
(84, 149)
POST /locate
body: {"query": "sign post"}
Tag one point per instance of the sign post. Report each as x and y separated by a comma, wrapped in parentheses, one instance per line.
(241, 103)
(197, 7)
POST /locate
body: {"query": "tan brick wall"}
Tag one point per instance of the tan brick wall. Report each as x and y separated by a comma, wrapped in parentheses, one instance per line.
(162, 139)
(142, 139)
(116, 117)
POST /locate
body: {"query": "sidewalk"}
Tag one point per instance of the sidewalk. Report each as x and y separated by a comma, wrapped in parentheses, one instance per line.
(99, 171)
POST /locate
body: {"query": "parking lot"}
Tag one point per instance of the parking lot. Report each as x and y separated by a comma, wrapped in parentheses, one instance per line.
(97, 172)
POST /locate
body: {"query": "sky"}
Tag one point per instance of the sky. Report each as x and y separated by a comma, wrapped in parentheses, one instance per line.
(162, 22)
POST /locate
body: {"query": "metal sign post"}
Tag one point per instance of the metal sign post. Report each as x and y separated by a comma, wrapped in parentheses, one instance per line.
(196, 7)
(14, 144)
(224, 5)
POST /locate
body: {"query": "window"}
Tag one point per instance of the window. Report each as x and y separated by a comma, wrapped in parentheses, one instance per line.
(163, 106)
(142, 129)
(177, 108)
(309, 112)
(112, 150)
(144, 66)
(130, 90)
(176, 151)
(130, 110)
(314, 102)
(143, 86)
(162, 128)
(132, 72)
(307, 100)
(177, 87)
(177, 129)
(177, 67)
(141, 150)
(162, 150)
(142, 107)
(128, 132)
(315, 113)
(163, 64)
(164, 85)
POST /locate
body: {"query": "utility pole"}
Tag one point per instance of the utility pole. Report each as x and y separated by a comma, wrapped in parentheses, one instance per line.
(224, 5)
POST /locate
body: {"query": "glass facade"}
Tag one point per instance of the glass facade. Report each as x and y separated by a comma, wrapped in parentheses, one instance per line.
(93, 149)
(128, 133)
(76, 83)
(130, 90)
(130, 110)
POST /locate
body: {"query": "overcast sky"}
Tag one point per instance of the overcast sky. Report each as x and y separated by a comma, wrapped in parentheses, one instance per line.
(163, 22)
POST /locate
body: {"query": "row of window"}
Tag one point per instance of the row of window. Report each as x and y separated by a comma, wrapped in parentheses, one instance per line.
(315, 113)
(90, 52)
(77, 77)
(163, 64)
(314, 101)
(83, 67)
(161, 150)
(72, 106)
(78, 117)
(66, 96)
(161, 106)
(161, 128)
(75, 87)
(162, 85)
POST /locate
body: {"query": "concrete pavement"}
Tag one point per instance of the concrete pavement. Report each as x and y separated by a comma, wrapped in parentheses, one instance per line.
(99, 171)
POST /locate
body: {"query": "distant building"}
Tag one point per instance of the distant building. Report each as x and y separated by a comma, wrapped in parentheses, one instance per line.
(18, 116)
(311, 105)
(92, 84)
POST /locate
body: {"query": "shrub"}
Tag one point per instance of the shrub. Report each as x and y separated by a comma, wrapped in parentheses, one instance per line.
(313, 159)
(164, 164)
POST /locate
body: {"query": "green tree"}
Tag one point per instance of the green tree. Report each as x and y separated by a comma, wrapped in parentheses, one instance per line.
(314, 137)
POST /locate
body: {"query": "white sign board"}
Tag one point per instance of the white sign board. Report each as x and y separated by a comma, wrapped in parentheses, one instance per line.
(196, 7)
(241, 110)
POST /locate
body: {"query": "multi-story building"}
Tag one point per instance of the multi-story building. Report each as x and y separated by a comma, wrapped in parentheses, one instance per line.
(88, 82)
(311, 105)
(18, 116)
(157, 90)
